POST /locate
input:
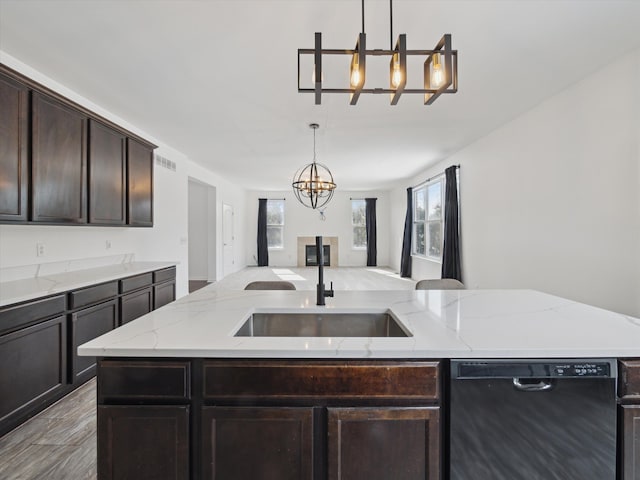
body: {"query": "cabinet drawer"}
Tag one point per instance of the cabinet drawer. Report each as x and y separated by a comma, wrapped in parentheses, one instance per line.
(95, 294)
(164, 275)
(16, 316)
(370, 382)
(153, 381)
(138, 281)
(629, 379)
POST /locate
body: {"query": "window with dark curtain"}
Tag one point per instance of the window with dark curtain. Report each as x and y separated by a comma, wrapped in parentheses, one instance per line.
(405, 260)
(263, 251)
(451, 267)
(370, 214)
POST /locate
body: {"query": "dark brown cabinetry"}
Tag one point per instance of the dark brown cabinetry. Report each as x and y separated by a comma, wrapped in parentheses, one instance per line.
(33, 370)
(87, 324)
(137, 298)
(150, 442)
(39, 340)
(259, 443)
(400, 443)
(14, 137)
(139, 184)
(629, 419)
(107, 175)
(59, 162)
(296, 419)
(63, 164)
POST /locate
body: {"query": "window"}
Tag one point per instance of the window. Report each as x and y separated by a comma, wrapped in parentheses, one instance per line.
(359, 223)
(275, 223)
(428, 219)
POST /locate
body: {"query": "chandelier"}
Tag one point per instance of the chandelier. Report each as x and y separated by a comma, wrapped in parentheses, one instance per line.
(440, 68)
(313, 184)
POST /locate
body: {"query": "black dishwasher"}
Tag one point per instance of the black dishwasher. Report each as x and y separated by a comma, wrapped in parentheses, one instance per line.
(533, 420)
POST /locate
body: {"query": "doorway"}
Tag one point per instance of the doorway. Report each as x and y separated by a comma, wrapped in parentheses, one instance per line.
(202, 234)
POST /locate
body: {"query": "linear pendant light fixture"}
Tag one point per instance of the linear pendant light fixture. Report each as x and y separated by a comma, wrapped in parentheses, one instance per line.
(313, 184)
(440, 67)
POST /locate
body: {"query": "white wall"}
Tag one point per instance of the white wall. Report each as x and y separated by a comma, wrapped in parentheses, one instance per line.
(166, 241)
(198, 232)
(301, 221)
(551, 200)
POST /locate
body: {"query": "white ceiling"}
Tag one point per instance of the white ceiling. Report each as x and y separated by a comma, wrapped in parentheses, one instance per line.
(217, 79)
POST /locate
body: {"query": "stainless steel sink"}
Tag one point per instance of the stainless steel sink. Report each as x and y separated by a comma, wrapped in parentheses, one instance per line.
(325, 324)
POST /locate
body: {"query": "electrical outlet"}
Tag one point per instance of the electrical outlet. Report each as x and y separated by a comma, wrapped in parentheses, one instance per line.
(107, 244)
(40, 249)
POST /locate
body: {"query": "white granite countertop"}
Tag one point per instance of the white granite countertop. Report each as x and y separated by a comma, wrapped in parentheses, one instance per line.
(17, 291)
(443, 324)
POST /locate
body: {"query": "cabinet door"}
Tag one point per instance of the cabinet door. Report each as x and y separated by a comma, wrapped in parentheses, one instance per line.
(32, 370)
(86, 325)
(139, 184)
(14, 131)
(163, 293)
(107, 175)
(59, 162)
(143, 442)
(630, 458)
(269, 443)
(135, 304)
(384, 443)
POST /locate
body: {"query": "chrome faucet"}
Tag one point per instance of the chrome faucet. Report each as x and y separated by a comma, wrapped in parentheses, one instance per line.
(322, 293)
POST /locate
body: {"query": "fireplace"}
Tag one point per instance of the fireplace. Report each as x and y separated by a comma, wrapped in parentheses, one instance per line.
(330, 255)
(311, 256)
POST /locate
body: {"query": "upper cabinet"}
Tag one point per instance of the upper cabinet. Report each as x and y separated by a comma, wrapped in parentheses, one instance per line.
(107, 175)
(59, 162)
(14, 136)
(139, 184)
(62, 164)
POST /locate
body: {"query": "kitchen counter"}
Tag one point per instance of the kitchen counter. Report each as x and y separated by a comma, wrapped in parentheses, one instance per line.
(17, 291)
(443, 324)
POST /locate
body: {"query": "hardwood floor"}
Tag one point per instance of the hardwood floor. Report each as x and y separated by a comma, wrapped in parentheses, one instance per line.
(57, 444)
(60, 442)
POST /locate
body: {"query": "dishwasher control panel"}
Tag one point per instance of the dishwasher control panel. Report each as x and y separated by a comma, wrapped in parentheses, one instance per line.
(532, 369)
(582, 370)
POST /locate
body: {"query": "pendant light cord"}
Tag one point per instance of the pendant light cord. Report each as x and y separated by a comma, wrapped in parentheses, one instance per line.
(362, 16)
(314, 144)
(390, 24)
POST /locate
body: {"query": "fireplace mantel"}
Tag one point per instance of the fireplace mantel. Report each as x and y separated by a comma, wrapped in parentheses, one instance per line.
(331, 241)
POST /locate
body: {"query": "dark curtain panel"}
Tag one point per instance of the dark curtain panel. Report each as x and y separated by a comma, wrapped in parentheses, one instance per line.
(451, 267)
(405, 260)
(263, 252)
(372, 249)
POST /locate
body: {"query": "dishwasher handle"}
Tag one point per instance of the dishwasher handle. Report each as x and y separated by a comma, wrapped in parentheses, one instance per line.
(542, 385)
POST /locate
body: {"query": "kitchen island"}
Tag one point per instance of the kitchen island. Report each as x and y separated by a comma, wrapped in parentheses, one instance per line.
(181, 396)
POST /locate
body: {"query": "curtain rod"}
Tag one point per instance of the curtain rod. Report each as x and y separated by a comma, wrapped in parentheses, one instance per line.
(435, 176)
(351, 198)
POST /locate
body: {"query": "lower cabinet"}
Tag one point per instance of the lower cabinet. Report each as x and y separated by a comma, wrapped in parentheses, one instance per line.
(383, 443)
(629, 419)
(271, 419)
(630, 458)
(136, 304)
(163, 293)
(86, 325)
(268, 443)
(143, 442)
(33, 370)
